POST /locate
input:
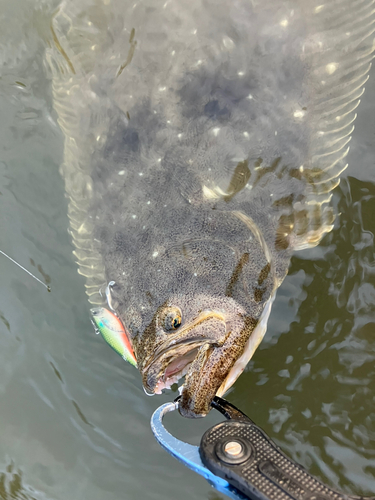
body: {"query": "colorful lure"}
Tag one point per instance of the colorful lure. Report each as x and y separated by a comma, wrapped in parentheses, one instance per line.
(113, 332)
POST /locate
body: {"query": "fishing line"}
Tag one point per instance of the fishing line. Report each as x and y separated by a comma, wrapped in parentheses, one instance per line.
(28, 272)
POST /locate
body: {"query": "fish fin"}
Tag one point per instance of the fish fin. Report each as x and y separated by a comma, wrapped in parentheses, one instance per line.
(75, 38)
(330, 61)
(339, 52)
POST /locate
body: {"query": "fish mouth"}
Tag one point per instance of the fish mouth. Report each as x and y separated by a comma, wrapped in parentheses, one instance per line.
(211, 352)
(179, 365)
(175, 357)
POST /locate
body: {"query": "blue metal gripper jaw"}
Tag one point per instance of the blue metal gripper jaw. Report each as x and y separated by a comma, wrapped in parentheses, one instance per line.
(186, 453)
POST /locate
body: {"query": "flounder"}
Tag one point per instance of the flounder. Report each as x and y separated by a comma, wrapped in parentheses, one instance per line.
(203, 139)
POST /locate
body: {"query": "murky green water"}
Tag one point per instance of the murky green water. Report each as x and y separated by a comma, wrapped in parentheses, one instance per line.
(74, 421)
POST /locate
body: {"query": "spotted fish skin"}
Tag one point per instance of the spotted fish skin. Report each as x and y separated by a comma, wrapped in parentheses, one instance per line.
(203, 140)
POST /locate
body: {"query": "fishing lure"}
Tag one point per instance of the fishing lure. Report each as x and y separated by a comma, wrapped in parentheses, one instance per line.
(113, 332)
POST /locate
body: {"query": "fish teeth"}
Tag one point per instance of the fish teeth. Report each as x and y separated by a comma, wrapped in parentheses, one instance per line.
(167, 384)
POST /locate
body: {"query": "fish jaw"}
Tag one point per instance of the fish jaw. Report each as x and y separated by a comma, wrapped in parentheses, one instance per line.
(205, 378)
(251, 346)
(171, 359)
(212, 366)
(205, 351)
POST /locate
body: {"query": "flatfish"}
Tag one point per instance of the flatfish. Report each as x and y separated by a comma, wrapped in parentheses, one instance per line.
(203, 139)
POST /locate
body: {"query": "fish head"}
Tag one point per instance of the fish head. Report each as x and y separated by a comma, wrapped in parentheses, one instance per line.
(192, 337)
(208, 327)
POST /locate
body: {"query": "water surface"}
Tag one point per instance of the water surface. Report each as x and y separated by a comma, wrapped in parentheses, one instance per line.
(74, 420)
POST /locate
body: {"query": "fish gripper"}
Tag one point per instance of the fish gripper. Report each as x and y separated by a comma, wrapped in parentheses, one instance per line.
(242, 453)
(239, 459)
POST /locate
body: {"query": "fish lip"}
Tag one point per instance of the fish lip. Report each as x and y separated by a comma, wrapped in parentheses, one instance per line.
(172, 339)
(172, 344)
(175, 353)
(169, 349)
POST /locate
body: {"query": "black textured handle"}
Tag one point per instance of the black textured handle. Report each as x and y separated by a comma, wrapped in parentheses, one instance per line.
(240, 452)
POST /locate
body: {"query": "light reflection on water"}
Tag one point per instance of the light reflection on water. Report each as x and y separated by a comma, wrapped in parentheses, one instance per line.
(74, 421)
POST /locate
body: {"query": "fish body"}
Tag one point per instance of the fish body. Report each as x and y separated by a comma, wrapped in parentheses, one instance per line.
(203, 140)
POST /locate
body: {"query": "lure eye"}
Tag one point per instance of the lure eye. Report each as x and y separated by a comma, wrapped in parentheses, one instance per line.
(172, 319)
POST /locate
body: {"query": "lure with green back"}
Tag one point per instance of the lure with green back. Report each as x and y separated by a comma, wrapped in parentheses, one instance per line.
(113, 332)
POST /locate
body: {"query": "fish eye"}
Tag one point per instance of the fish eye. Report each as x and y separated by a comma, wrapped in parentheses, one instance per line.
(172, 319)
(176, 322)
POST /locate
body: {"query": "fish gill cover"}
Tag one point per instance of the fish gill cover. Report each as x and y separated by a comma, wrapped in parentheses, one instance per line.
(203, 140)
